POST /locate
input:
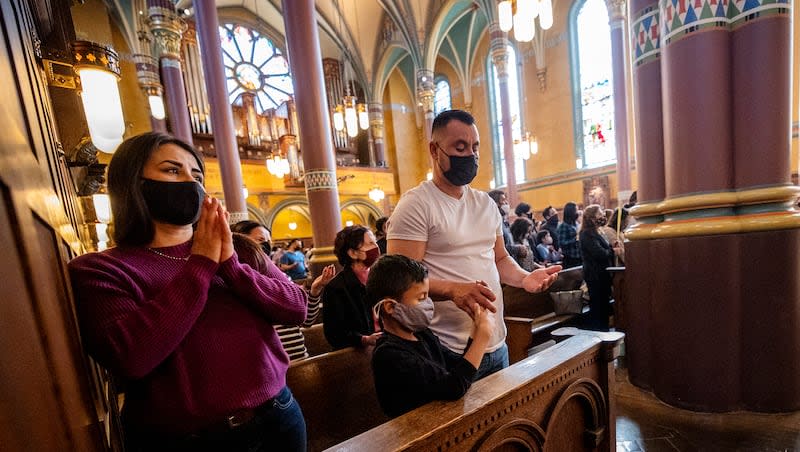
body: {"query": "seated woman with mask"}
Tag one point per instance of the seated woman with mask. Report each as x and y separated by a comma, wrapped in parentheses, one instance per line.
(172, 312)
(346, 314)
(410, 366)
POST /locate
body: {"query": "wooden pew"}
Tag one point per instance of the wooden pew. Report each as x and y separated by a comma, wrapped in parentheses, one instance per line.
(530, 318)
(337, 395)
(558, 400)
(315, 340)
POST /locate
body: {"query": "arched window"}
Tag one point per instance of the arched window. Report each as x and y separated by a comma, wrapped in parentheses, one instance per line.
(254, 64)
(592, 84)
(496, 114)
(441, 98)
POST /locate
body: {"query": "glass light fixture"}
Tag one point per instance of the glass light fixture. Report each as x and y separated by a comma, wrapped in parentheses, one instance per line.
(292, 226)
(363, 117)
(338, 118)
(520, 15)
(505, 15)
(157, 106)
(376, 194)
(102, 207)
(98, 69)
(579, 163)
(245, 192)
(545, 14)
(348, 223)
(350, 116)
(534, 144)
(492, 184)
(429, 175)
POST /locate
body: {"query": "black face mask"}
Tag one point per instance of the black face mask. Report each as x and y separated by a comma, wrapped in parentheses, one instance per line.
(553, 219)
(267, 247)
(175, 203)
(462, 169)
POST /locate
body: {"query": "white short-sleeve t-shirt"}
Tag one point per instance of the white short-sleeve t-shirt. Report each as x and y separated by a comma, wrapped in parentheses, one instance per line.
(460, 235)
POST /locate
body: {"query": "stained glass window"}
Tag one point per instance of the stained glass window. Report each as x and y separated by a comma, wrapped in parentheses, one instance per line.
(496, 113)
(254, 64)
(441, 98)
(593, 81)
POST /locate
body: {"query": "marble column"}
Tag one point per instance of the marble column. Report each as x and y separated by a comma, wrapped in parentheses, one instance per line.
(425, 95)
(376, 129)
(716, 319)
(166, 28)
(305, 62)
(149, 81)
(221, 114)
(617, 21)
(498, 47)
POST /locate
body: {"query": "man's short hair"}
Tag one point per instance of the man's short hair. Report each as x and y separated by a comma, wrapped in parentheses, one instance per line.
(392, 275)
(380, 223)
(546, 211)
(522, 208)
(496, 195)
(444, 118)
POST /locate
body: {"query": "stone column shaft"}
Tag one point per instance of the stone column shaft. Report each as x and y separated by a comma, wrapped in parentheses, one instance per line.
(221, 113)
(646, 58)
(376, 129)
(305, 62)
(166, 28)
(617, 18)
(499, 51)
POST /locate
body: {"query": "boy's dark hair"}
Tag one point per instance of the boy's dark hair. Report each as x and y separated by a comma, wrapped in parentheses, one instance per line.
(541, 235)
(133, 225)
(444, 118)
(245, 226)
(349, 238)
(546, 211)
(392, 275)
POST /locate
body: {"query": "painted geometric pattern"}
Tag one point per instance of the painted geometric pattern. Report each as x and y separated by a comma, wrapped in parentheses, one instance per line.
(320, 180)
(681, 17)
(645, 32)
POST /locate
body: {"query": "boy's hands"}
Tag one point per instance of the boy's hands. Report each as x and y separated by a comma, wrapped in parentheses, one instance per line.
(483, 324)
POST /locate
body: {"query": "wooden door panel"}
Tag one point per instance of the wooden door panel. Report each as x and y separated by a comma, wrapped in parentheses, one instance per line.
(49, 400)
(28, 408)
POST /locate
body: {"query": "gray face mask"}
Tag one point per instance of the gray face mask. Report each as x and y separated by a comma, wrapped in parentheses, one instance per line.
(414, 318)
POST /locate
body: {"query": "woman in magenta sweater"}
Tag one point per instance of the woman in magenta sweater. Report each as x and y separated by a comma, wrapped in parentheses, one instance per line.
(173, 313)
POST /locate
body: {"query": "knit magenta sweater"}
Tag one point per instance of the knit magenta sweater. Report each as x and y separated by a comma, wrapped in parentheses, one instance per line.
(192, 339)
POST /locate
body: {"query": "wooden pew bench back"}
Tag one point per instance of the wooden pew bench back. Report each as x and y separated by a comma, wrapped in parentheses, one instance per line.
(337, 395)
(557, 400)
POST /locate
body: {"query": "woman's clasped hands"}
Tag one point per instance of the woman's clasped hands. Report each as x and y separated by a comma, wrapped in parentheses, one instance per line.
(212, 237)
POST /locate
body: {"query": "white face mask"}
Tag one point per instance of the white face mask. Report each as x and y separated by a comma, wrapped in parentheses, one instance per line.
(414, 318)
(505, 208)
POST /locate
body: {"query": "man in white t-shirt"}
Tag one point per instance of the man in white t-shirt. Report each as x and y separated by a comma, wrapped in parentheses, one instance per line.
(456, 232)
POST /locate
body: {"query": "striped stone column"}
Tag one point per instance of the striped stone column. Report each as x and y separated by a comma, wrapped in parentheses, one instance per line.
(305, 61)
(715, 325)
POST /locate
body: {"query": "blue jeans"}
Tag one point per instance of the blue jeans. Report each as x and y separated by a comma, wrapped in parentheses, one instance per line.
(277, 425)
(492, 362)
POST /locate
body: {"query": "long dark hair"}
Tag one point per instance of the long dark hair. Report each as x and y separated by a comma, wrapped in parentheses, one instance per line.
(571, 213)
(133, 225)
(519, 228)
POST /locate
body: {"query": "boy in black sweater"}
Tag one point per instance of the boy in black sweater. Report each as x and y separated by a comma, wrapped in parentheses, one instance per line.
(409, 364)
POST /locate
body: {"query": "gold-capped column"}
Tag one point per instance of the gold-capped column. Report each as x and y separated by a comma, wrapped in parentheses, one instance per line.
(166, 28)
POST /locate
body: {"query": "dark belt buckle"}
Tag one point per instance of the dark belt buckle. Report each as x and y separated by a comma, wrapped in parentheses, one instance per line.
(238, 419)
